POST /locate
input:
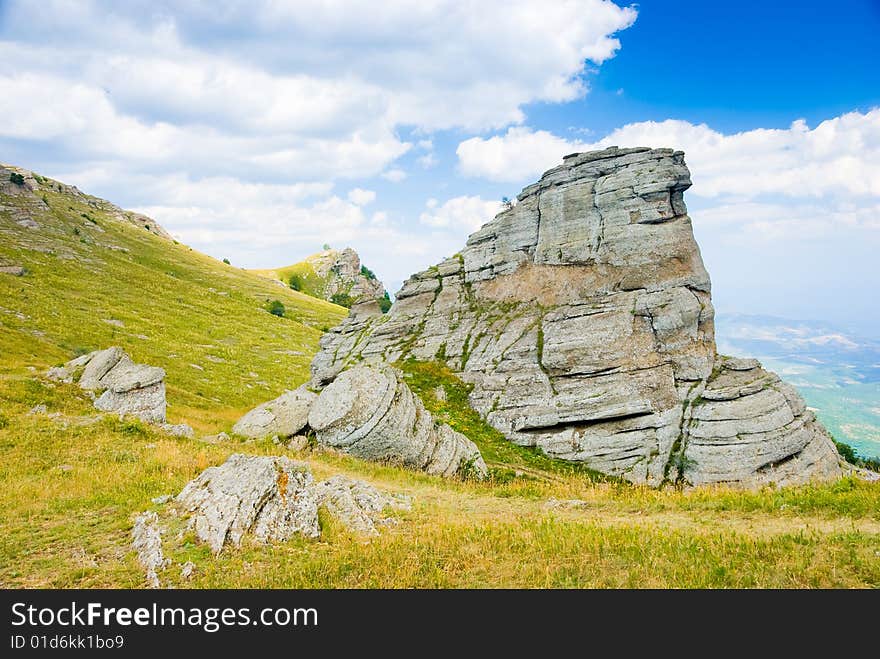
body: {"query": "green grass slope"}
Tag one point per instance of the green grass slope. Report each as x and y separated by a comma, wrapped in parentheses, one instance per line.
(310, 282)
(305, 277)
(71, 486)
(94, 279)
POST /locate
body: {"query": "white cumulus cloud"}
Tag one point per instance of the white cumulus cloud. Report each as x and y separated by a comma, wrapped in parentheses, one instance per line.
(838, 156)
(361, 197)
(462, 215)
(519, 154)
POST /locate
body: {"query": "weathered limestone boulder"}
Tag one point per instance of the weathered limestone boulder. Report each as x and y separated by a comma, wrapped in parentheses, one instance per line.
(372, 414)
(763, 426)
(128, 388)
(266, 497)
(583, 318)
(284, 416)
(356, 504)
(178, 430)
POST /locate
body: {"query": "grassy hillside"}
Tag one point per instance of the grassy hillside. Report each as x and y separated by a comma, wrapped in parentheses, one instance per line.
(310, 282)
(95, 280)
(307, 278)
(71, 487)
(72, 480)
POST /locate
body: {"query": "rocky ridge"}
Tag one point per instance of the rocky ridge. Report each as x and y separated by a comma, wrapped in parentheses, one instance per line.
(28, 186)
(342, 269)
(583, 318)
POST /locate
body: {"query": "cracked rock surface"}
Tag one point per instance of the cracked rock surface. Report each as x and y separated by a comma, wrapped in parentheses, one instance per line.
(267, 498)
(264, 496)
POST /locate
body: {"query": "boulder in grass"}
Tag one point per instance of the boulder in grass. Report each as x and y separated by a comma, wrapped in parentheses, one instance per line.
(284, 416)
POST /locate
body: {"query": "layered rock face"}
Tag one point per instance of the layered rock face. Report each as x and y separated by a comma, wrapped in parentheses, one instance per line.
(584, 320)
(372, 414)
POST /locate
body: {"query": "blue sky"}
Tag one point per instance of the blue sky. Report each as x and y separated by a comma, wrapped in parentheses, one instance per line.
(258, 131)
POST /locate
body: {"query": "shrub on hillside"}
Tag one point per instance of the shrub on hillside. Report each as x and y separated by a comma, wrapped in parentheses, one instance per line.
(276, 308)
(849, 454)
(16, 178)
(296, 282)
(366, 272)
(342, 299)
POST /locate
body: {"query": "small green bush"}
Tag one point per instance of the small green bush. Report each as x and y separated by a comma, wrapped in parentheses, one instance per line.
(226, 261)
(276, 308)
(852, 456)
(366, 272)
(385, 303)
(342, 299)
(16, 178)
(296, 282)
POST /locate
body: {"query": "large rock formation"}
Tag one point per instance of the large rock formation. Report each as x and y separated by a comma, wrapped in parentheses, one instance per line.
(583, 317)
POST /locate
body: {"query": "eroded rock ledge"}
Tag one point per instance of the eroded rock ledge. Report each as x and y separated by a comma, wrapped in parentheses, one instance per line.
(583, 318)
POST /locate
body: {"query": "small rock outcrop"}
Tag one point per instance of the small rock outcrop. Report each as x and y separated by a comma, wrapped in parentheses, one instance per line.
(127, 387)
(357, 505)
(372, 414)
(284, 416)
(147, 542)
(264, 496)
(342, 271)
(14, 270)
(267, 498)
(583, 318)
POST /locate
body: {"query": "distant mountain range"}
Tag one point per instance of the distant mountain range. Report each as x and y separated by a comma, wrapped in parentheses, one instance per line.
(837, 372)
